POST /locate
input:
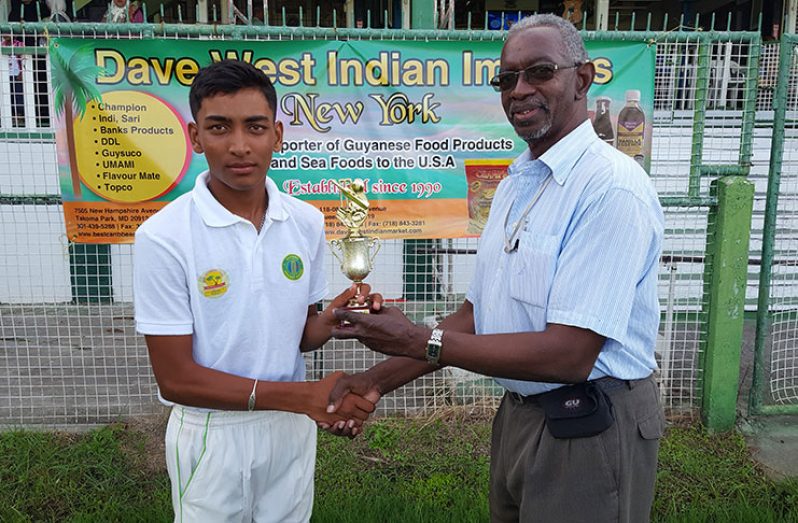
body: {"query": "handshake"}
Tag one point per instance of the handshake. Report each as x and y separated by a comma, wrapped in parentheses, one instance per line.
(343, 405)
(342, 402)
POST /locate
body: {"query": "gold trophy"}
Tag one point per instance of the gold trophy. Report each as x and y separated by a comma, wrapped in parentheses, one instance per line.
(354, 251)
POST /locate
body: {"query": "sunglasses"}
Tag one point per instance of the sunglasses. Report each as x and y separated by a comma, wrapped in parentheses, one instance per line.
(534, 75)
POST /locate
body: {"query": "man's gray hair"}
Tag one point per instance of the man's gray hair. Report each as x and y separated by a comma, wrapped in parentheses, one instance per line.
(573, 42)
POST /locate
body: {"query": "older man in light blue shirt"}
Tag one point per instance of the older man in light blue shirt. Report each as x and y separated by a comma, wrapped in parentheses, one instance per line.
(564, 293)
(596, 222)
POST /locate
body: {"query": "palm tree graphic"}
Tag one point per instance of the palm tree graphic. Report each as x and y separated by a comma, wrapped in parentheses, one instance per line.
(74, 73)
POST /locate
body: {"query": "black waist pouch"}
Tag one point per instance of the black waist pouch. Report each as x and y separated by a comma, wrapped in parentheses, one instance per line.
(577, 411)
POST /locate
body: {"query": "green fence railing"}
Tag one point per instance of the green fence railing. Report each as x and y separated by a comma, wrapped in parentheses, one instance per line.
(775, 378)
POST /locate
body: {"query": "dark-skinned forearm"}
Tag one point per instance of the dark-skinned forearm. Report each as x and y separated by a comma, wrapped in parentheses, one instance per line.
(560, 354)
(395, 372)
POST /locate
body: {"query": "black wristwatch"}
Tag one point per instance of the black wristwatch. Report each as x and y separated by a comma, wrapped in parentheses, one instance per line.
(434, 346)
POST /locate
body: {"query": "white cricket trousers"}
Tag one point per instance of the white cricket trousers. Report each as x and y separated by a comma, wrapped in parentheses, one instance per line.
(228, 466)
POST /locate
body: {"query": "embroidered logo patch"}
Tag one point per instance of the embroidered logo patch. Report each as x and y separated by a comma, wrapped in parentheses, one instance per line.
(293, 267)
(214, 283)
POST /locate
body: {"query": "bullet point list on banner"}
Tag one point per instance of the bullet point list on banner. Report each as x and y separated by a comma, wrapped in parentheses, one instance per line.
(130, 146)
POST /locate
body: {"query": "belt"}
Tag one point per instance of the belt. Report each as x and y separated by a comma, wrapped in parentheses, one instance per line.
(607, 384)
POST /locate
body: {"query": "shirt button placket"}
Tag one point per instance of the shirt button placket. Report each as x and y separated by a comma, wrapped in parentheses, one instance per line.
(255, 258)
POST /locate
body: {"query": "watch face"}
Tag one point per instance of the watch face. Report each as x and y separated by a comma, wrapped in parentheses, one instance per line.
(434, 346)
(433, 352)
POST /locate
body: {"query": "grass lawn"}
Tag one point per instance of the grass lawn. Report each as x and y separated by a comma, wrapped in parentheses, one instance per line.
(415, 470)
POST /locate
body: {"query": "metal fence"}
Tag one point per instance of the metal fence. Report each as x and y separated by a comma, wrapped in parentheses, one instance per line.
(66, 359)
(775, 388)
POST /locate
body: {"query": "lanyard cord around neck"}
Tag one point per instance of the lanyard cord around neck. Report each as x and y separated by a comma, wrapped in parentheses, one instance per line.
(511, 244)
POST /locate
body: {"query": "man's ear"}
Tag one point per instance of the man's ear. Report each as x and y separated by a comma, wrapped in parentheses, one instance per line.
(278, 130)
(193, 133)
(584, 79)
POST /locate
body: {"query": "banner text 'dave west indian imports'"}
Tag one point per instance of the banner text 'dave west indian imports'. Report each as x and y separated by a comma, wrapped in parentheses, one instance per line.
(418, 123)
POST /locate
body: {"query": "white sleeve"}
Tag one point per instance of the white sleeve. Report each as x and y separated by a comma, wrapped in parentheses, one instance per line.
(317, 289)
(160, 289)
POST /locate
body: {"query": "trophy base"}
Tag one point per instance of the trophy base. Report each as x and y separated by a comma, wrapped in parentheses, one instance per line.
(354, 306)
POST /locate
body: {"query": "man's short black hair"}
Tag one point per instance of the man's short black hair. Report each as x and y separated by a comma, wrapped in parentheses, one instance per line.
(229, 76)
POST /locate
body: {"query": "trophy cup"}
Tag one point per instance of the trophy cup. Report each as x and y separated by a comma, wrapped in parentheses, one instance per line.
(355, 252)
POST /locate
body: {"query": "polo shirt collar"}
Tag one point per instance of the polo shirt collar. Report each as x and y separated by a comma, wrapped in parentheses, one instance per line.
(561, 157)
(276, 210)
(214, 214)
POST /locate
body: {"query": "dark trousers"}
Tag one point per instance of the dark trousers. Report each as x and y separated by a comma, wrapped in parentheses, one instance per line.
(604, 478)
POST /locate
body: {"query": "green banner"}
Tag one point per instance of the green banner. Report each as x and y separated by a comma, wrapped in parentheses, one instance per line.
(417, 121)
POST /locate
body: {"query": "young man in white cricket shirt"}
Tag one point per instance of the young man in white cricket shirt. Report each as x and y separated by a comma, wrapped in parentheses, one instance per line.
(226, 282)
